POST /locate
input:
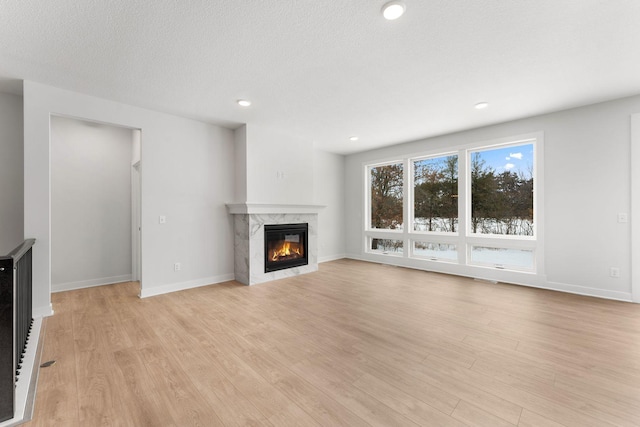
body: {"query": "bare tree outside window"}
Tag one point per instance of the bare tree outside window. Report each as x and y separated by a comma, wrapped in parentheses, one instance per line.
(435, 194)
(387, 196)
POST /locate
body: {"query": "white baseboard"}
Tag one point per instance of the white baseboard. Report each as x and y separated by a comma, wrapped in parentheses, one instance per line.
(590, 292)
(541, 282)
(331, 258)
(59, 287)
(149, 291)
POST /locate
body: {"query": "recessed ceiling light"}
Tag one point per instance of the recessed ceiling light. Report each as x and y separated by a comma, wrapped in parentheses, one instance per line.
(481, 105)
(353, 138)
(393, 10)
(243, 102)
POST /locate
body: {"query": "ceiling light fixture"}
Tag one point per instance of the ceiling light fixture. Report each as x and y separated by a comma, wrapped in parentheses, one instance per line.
(481, 105)
(353, 138)
(393, 10)
(243, 102)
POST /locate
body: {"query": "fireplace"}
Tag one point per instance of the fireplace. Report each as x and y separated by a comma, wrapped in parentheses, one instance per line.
(250, 240)
(285, 246)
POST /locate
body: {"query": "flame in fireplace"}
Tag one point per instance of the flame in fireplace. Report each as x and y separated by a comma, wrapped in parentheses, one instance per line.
(286, 250)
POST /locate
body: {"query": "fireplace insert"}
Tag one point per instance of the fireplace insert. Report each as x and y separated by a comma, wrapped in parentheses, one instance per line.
(285, 246)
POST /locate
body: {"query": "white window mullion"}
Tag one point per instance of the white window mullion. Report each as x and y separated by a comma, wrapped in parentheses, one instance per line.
(407, 205)
(538, 203)
(464, 206)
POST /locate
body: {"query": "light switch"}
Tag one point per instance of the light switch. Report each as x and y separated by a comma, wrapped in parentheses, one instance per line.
(162, 219)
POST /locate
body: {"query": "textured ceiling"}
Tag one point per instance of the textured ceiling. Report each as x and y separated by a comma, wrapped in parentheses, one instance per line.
(325, 70)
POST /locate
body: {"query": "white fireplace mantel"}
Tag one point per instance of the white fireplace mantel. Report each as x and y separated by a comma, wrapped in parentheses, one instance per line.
(269, 208)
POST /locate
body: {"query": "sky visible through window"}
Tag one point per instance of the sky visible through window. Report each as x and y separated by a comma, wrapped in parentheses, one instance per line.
(518, 159)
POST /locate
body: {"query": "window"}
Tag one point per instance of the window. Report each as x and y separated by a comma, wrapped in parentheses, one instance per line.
(505, 258)
(473, 205)
(435, 251)
(435, 194)
(386, 196)
(386, 246)
(502, 190)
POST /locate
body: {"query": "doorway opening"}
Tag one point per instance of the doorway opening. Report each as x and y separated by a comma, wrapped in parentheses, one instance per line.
(95, 203)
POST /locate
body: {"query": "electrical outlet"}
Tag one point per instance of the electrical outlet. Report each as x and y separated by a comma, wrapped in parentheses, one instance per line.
(162, 219)
(614, 272)
(623, 218)
(177, 266)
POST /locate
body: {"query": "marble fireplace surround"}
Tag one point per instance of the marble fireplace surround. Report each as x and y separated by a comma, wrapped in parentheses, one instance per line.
(248, 224)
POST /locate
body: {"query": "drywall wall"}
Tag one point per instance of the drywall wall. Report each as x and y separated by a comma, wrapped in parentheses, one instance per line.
(635, 207)
(136, 146)
(187, 176)
(11, 172)
(279, 167)
(240, 180)
(329, 192)
(587, 183)
(276, 168)
(90, 203)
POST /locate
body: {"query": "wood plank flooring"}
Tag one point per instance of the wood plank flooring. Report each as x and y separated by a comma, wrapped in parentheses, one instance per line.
(355, 344)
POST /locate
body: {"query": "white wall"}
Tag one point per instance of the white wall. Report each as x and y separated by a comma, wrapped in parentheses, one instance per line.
(276, 168)
(136, 146)
(90, 203)
(279, 167)
(587, 183)
(11, 172)
(187, 176)
(240, 176)
(329, 191)
(635, 207)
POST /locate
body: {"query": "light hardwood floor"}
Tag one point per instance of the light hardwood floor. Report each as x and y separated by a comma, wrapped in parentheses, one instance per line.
(354, 344)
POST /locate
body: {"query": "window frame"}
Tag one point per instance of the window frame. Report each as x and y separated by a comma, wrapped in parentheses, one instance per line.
(435, 240)
(368, 225)
(395, 254)
(469, 195)
(411, 201)
(462, 238)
